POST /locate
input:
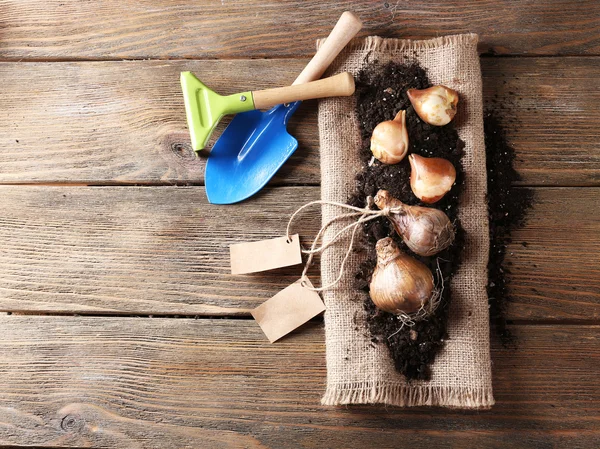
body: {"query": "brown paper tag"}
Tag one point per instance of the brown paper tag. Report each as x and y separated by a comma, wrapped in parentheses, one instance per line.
(288, 310)
(251, 257)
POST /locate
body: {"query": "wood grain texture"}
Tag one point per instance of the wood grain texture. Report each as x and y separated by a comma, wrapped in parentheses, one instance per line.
(155, 383)
(546, 106)
(553, 260)
(124, 122)
(256, 28)
(164, 250)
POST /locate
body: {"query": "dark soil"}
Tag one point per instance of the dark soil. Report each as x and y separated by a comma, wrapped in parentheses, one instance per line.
(381, 91)
(507, 207)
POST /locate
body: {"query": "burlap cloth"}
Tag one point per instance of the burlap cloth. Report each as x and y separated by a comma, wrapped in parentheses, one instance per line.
(357, 373)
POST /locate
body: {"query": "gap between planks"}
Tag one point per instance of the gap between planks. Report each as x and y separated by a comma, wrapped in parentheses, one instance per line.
(270, 57)
(201, 184)
(318, 319)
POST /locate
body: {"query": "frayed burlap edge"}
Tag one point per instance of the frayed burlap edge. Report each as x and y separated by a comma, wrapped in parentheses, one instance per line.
(403, 396)
(389, 44)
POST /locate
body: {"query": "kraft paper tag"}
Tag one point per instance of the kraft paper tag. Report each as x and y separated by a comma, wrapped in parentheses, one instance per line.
(288, 310)
(265, 255)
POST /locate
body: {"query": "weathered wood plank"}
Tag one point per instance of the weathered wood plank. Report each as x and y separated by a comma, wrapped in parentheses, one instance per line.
(124, 122)
(155, 383)
(257, 28)
(136, 250)
(548, 114)
(553, 260)
(164, 250)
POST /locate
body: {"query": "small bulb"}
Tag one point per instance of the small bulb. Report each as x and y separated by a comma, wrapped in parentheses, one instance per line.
(435, 105)
(389, 142)
(430, 177)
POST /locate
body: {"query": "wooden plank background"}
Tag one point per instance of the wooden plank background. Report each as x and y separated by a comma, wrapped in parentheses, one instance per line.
(66, 111)
(103, 214)
(162, 251)
(126, 382)
(75, 29)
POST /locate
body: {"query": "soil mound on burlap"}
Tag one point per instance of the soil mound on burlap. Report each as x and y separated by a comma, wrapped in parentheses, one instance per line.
(381, 93)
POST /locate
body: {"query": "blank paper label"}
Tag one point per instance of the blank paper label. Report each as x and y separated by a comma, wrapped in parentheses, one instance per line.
(265, 255)
(287, 310)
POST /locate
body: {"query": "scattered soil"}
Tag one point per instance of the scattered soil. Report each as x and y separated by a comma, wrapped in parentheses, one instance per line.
(381, 94)
(507, 207)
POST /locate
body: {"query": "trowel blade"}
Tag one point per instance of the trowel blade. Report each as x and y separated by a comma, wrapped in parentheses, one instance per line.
(249, 152)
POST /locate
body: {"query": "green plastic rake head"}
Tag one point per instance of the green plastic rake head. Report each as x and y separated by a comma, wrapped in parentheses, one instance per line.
(204, 108)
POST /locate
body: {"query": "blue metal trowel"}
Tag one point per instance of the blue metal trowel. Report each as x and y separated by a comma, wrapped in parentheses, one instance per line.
(256, 144)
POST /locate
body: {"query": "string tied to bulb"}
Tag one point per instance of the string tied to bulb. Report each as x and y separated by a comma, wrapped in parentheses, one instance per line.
(359, 215)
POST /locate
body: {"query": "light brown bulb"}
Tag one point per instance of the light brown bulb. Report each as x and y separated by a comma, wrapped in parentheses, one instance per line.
(425, 230)
(435, 105)
(400, 283)
(389, 142)
(430, 177)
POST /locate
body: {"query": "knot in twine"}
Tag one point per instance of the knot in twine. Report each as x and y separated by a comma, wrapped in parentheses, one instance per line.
(361, 215)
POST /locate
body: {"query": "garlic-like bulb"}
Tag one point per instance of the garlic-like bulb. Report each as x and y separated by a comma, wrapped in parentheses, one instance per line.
(425, 230)
(400, 283)
(430, 177)
(389, 142)
(435, 105)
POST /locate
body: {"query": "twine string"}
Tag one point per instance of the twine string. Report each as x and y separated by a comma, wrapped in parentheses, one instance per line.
(364, 215)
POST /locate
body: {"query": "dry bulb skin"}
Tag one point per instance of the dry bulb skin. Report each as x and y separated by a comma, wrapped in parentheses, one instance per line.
(430, 177)
(435, 105)
(400, 283)
(425, 230)
(389, 142)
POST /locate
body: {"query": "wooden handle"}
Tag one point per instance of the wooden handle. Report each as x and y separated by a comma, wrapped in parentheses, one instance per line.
(341, 85)
(345, 29)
